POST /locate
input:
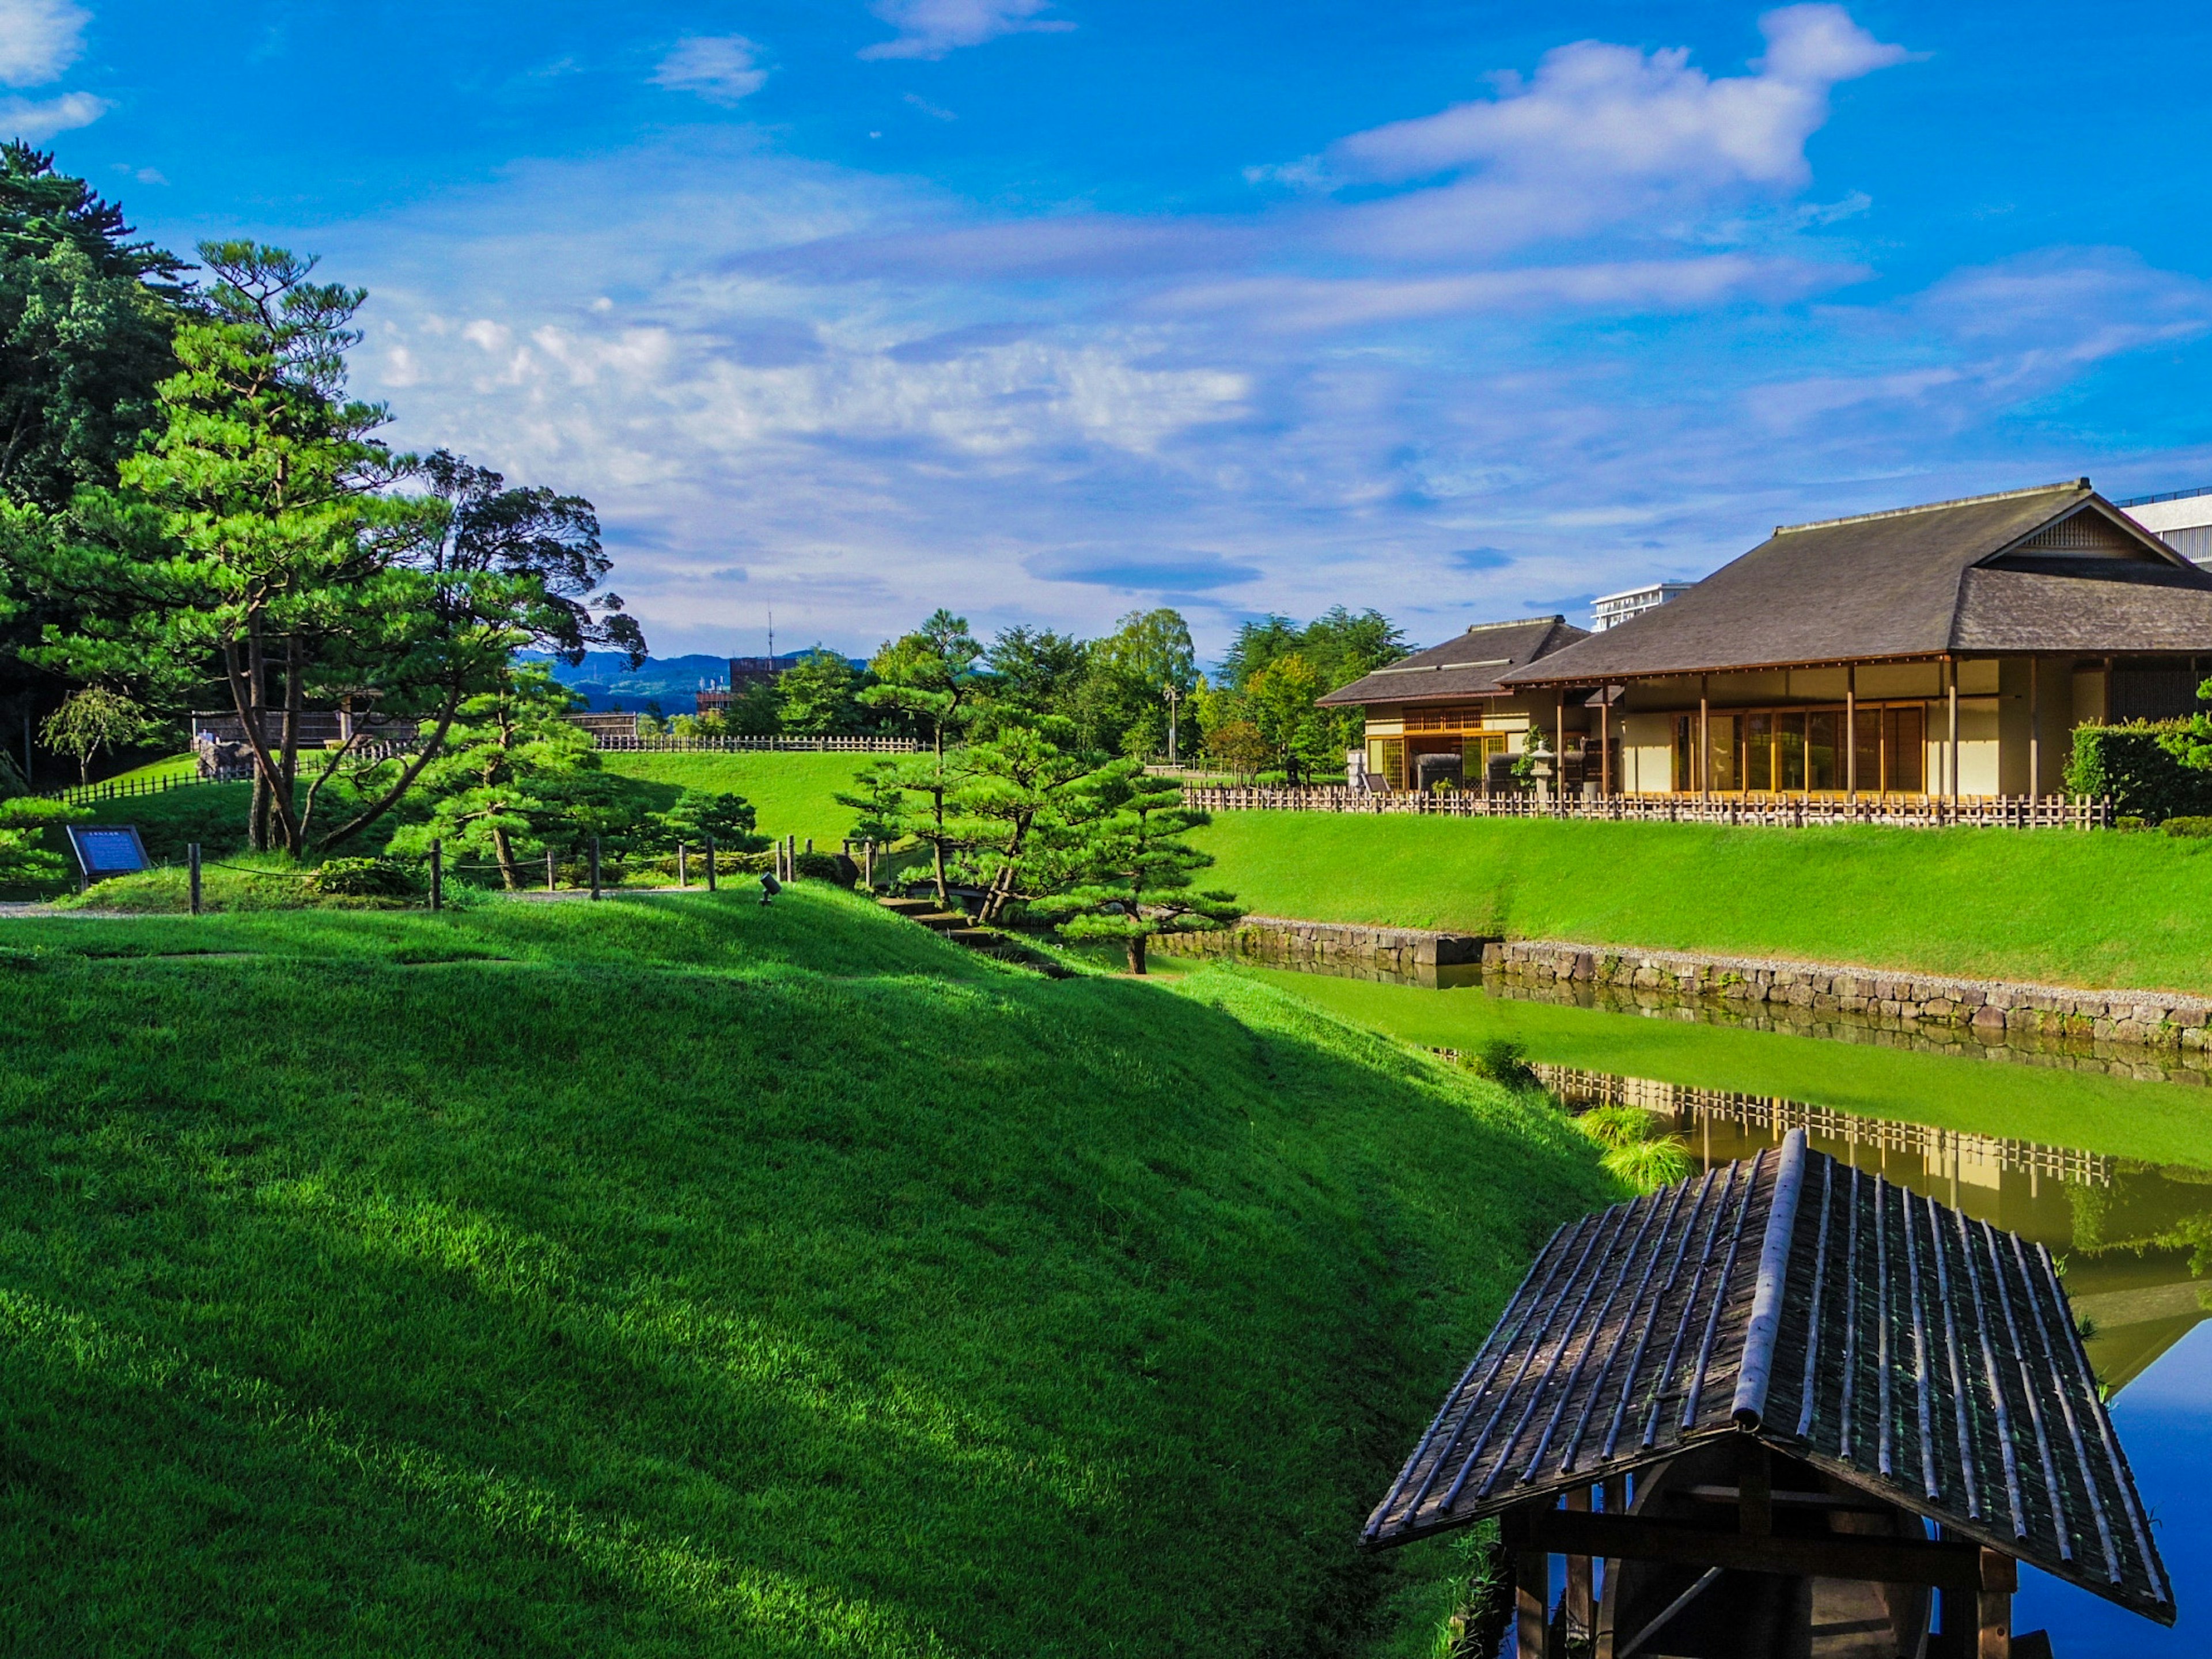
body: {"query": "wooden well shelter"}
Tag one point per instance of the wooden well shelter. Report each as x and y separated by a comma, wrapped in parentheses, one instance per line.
(1750, 1396)
(1945, 650)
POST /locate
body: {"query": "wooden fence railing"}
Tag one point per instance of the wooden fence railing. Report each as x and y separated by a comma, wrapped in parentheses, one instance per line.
(1907, 811)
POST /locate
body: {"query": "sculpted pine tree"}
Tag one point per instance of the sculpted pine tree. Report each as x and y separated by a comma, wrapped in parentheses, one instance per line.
(1130, 871)
(1021, 805)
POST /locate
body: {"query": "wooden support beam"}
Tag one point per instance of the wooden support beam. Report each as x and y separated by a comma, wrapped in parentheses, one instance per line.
(1755, 1495)
(1852, 730)
(1581, 1599)
(1892, 1560)
(2034, 728)
(1532, 1591)
(2000, 1576)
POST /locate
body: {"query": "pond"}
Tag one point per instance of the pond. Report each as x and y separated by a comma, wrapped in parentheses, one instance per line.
(2106, 1162)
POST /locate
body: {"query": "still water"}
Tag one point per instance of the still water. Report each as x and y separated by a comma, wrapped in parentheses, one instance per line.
(2133, 1235)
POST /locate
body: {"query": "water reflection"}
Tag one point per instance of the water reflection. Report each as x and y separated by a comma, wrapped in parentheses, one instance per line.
(2067, 1054)
(2135, 1239)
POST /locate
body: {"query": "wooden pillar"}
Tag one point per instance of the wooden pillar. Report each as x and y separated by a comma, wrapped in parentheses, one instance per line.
(1851, 731)
(2034, 729)
(1532, 1590)
(1604, 746)
(2000, 1578)
(1951, 690)
(1754, 1490)
(1581, 1600)
(1704, 740)
(1559, 751)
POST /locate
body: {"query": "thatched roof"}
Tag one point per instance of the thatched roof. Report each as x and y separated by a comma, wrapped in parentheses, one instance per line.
(1466, 665)
(1891, 1342)
(2056, 568)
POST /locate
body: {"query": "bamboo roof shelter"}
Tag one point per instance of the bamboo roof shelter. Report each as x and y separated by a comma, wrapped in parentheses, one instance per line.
(1751, 1392)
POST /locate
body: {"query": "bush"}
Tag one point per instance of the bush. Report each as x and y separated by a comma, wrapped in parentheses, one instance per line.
(365, 878)
(2149, 770)
(826, 866)
(2194, 828)
(1503, 1060)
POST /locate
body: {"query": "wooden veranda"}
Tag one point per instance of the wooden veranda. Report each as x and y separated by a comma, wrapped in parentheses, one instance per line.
(1750, 1396)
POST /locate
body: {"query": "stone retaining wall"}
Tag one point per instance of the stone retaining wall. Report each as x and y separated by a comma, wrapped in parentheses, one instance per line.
(1337, 944)
(2158, 1019)
(2165, 1019)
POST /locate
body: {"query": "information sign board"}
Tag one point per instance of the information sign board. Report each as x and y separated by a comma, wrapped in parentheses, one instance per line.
(106, 849)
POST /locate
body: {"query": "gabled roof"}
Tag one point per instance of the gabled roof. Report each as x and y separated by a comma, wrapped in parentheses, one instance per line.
(1467, 665)
(1888, 1340)
(2053, 568)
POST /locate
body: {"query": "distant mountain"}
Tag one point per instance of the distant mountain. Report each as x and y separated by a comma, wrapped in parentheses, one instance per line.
(606, 682)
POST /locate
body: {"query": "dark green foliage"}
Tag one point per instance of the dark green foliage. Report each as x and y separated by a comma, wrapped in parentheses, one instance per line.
(826, 866)
(699, 813)
(816, 697)
(86, 315)
(1502, 1059)
(2148, 769)
(2188, 828)
(685, 1276)
(366, 879)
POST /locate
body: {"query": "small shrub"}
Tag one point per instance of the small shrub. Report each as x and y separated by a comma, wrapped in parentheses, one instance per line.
(365, 878)
(2190, 828)
(1503, 1060)
(2131, 821)
(2150, 771)
(826, 866)
(1616, 1125)
(1648, 1165)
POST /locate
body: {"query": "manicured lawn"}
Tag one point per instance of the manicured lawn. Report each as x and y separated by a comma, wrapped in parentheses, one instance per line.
(794, 794)
(2158, 1123)
(2096, 910)
(674, 1276)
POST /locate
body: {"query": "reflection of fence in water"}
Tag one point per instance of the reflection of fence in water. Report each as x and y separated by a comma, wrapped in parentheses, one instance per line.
(1947, 1153)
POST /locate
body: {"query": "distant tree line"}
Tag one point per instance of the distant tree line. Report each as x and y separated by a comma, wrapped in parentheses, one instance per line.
(1137, 691)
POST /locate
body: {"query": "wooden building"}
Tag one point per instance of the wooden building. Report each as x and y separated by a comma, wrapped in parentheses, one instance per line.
(1449, 702)
(1750, 1395)
(1945, 650)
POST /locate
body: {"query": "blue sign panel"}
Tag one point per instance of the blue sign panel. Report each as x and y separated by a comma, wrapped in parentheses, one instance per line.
(106, 849)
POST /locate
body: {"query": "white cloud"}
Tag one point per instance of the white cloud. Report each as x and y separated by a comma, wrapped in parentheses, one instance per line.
(931, 28)
(36, 119)
(1601, 134)
(721, 68)
(39, 38)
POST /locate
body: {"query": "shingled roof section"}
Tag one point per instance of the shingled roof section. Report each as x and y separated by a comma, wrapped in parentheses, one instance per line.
(1467, 665)
(1915, 582)
(1892, 1342)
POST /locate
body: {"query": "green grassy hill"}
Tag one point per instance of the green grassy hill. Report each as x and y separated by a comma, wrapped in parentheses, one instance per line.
(2050, 906)
(795, 794)
(674, 1276)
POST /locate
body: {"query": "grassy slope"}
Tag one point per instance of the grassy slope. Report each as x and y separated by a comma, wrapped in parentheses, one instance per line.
(674, 1276)
(2160, 1123)
(794, 794)
(2078, 909)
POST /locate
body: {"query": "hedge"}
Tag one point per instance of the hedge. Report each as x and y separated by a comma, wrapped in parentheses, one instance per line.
(2151, 771)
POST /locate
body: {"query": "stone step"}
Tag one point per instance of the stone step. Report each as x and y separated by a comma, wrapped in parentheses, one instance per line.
(908, 907)
(976, 939)
(943, 922)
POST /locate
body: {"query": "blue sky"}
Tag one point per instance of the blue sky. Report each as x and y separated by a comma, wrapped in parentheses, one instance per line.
(1048, 309)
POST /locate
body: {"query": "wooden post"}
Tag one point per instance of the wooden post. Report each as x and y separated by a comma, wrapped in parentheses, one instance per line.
(682, 867)
(1754, 1490)
(1560, 751)
(1604, 745)
(1951, 686)
(1532, 1590)
(1851, 731)
(437, 875)
(2034, 735)
(595, 867)
(1704, 741)
(192, 861)
(552, 871)
(2000, 1578)
(1581, 1600)
(710, 864)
